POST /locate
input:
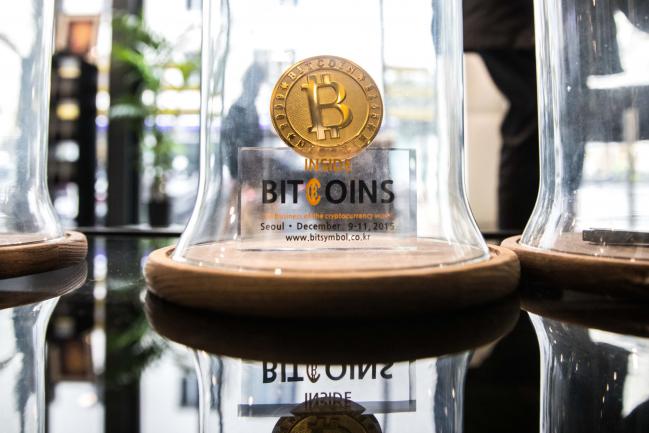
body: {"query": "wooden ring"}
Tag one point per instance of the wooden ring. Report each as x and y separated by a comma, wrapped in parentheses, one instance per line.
(360, 294)
(580, 272)
(36, 257)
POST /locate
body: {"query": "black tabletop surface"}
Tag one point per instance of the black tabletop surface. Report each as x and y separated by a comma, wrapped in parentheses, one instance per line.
(109, 370)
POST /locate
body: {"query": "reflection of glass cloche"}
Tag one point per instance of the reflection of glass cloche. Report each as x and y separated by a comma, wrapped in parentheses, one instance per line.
(594, 350)
(265, 375)
(330, 155)
(26, 304)
(591, 219)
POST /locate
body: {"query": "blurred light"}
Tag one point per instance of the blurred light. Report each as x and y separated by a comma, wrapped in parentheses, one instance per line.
(101, 121)
(82, 7)
(100, 269)
(101, 209)
(148, 158)
(189, 100)
(64, 327)
(87, 400)
(69, 68)
(67, 151)
(68, 109)
(103, 100)
(149, 141)
(188, 121)
(168, 99)
(180, 163)
(98, 349)
(66, 202)
(101, 186)
(148, 97)
(173, 77)
(166, 120)
(4, 159)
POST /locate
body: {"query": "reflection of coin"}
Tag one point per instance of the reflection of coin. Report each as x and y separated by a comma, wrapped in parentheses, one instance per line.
(329, 423)
(328, 415)
(326, 107)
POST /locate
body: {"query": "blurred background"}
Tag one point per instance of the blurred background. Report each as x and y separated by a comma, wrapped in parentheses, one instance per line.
(124, 118)
(124, 124)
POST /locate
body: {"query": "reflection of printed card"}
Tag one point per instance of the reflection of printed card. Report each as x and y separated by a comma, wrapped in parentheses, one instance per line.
(274, 389)
(290, 202)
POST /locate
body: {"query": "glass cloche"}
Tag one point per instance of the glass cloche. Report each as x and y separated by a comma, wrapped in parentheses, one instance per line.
(594, 117)
(331, 159)
(26, 213)
(362, 169)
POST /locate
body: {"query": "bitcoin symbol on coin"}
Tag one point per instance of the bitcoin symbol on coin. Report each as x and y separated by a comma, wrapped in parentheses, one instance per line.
(326, 107)
(316, 106)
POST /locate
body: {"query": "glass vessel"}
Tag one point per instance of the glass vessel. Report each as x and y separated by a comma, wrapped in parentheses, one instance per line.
(593, 122)
(244, 396)
(331, 138)
(22, 374)
(26, 212)
(593, 380)
(26, 304)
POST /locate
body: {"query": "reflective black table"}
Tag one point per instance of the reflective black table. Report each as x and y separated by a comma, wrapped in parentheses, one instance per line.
(107, 369)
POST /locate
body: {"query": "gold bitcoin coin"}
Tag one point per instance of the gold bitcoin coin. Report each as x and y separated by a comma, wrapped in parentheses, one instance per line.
(326, 107)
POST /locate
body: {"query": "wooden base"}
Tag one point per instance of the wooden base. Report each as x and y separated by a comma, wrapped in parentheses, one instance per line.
(611, 276)
(32, 258)
(34, 288)
(300, 294)
(333, 341)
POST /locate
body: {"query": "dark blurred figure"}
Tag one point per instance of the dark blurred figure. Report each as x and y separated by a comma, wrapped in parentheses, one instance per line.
(503, 387)
(241, 125)
(502, 393)
(501, 32)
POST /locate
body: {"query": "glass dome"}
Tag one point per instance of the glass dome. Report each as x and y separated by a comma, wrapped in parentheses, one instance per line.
(26, 304)
(331, 138)
(594, 134)
(26, 212)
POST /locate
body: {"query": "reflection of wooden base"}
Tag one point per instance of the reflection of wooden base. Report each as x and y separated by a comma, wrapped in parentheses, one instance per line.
(333, 341)
(33, 288)
(376, 293)
(584, 273)
(621, 316)
(24, 259)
